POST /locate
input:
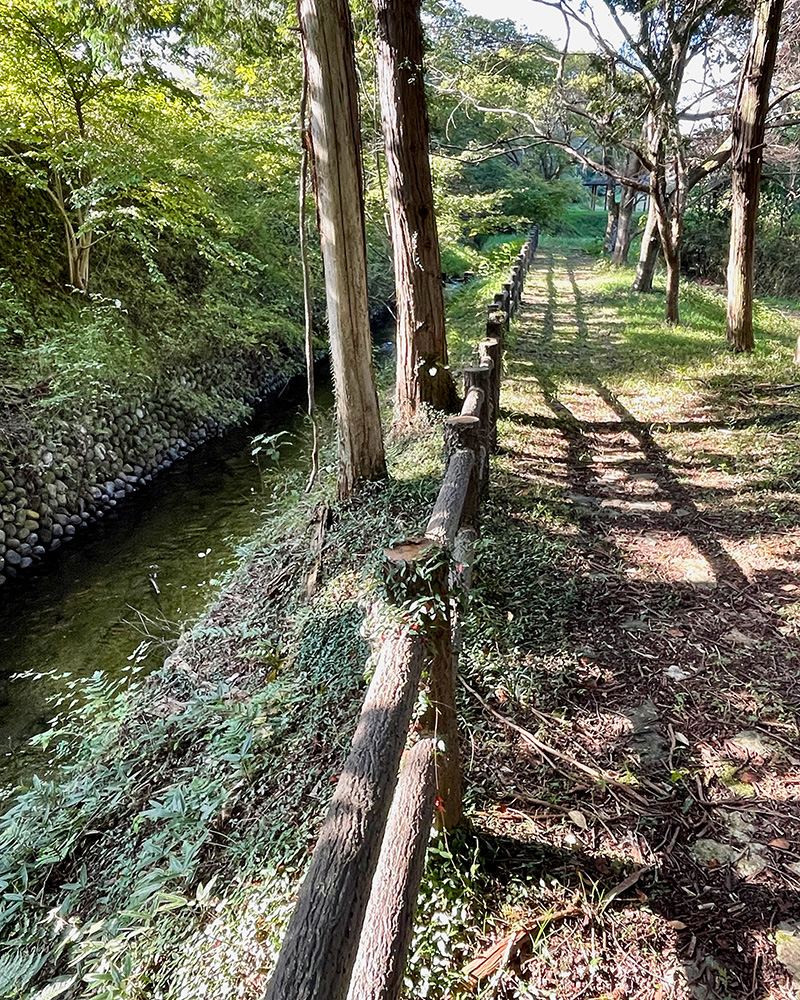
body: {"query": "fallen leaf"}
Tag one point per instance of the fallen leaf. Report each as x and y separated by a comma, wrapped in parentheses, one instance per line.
(578, 819)
(781, 843)
(634, 625)
(676, 925)
(738, 638)
(748, 777)
(626, 883)
(491, 958)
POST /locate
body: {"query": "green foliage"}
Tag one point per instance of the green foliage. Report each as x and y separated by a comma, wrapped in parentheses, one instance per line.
(466, 304)
(777, 254)
(132, 821)
(174, 166)
(268, 446)
(496, 196)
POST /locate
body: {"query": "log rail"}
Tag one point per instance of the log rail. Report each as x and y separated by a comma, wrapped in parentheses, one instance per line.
(349, 934)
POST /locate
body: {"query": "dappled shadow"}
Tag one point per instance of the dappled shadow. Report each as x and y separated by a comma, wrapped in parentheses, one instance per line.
(590, 649)
(644, 629)
(634, 339)
(784, 416)
(702, 537)
(587, 894)
(581, 326)
(548, 317)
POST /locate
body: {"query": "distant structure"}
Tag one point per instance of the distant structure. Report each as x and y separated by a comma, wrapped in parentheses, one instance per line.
(596, 181)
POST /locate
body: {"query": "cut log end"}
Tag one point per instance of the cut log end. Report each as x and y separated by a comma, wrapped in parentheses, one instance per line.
(410, 550)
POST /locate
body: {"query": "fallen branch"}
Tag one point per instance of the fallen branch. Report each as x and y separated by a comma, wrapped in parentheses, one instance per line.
(597, 774)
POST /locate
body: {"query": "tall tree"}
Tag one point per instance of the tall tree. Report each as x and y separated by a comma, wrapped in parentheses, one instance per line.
(423, 375)
(335, 130)
(749, 123)
(628, 95)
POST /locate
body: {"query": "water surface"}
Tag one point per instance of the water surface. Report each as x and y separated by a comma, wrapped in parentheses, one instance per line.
(127, 587)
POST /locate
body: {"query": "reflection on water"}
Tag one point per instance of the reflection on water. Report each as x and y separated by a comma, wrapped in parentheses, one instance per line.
(132, 582)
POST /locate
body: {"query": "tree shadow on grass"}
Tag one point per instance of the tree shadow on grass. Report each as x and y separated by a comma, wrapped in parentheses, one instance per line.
(596, 659)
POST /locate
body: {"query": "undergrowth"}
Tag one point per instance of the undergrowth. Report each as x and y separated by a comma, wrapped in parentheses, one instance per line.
(466, 304)
(160, 856)
(163, 851)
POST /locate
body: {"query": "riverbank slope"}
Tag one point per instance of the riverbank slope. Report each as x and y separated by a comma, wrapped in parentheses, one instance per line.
(163, 847)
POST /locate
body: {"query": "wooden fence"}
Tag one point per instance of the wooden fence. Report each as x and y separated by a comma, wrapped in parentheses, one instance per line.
(351, 928)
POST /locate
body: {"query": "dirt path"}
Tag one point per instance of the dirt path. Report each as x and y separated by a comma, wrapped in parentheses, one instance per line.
(653, 653)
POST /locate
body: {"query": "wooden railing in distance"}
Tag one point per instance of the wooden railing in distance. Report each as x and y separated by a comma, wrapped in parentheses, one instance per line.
(350, 931)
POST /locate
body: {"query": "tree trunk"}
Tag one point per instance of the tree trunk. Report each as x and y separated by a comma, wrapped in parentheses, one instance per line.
(612, 207)
(749, 119)
(670, 208)
(389, 923)
(648, 255)
(672, 305)
(423, 375)
(328, 45)
(669, 231)
(622, 244)
(81, 268)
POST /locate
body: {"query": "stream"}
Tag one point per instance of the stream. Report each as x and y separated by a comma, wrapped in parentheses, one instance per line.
(122, 593)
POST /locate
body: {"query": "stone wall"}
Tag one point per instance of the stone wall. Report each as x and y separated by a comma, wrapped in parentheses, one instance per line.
(60, 472)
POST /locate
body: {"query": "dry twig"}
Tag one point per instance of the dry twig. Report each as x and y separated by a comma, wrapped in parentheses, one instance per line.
(597, 774)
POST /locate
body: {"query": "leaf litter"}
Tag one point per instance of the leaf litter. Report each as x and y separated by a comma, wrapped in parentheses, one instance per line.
(650, 674)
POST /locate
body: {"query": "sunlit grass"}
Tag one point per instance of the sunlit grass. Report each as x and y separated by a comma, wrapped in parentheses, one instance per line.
(466, 304)
(641, 346)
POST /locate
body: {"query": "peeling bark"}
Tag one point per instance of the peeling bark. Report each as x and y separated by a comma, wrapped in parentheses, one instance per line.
(389, 923)
(321, 942)
(335, 130)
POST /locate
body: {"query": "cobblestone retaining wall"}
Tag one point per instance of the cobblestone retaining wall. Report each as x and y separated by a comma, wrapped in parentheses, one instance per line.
(62, 472)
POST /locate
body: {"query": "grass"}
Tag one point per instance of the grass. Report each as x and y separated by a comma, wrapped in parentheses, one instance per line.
(184, 807)
(640, 558)
(466, 304)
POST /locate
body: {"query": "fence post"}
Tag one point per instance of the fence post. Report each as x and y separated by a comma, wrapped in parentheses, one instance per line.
(417, 569)
(389, 923)
(479, 377)
(490, 353)
(466, 433)
(508, 296)
(496, 326)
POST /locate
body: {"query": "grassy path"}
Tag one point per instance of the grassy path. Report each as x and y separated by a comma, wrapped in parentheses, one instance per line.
(640, 623)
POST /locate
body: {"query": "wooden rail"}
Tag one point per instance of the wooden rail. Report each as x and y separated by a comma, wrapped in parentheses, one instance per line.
(351, 928)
